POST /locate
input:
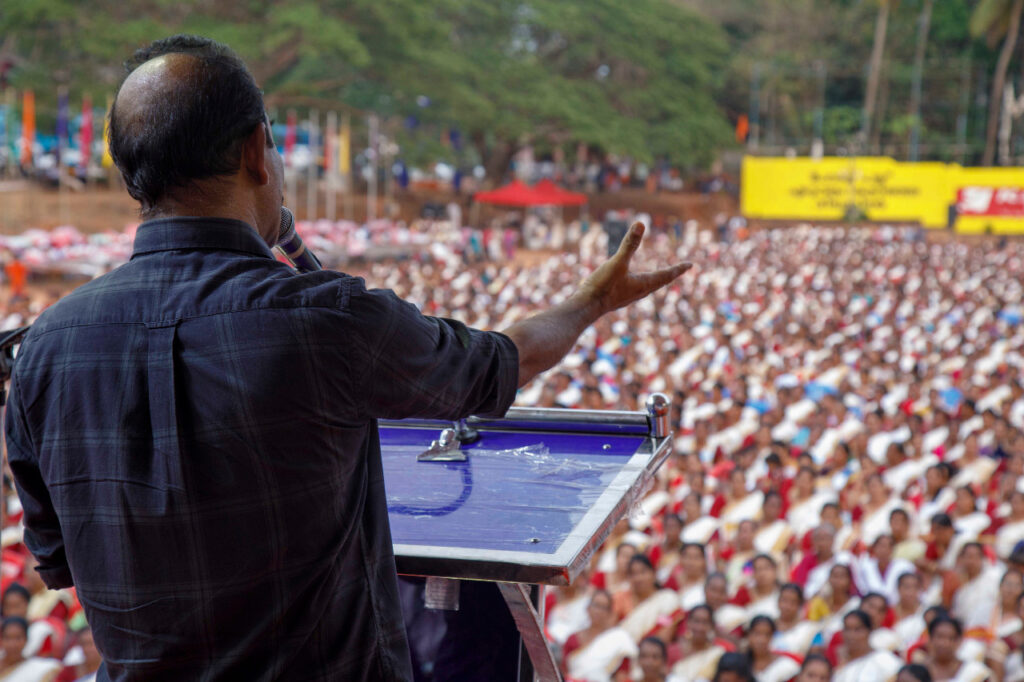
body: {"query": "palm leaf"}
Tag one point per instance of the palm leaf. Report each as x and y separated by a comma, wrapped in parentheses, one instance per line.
(991, 18)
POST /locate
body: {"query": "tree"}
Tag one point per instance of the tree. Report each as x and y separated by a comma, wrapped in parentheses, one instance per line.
(923, 24)
(875, 67)
(997, 19)
(637, 79)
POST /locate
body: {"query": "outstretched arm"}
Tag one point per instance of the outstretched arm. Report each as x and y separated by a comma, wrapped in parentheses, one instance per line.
(544, 339)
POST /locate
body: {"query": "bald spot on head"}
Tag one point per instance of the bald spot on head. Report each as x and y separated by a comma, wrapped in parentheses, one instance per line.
(150, 86)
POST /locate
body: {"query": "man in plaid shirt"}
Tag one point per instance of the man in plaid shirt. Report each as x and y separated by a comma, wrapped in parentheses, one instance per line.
(194, 436)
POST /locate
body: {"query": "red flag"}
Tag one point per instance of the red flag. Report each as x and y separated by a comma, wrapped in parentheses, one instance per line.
(85, 135)
(289, 139)
(742, 128)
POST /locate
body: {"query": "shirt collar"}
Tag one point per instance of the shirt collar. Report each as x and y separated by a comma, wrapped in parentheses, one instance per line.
(168, 234)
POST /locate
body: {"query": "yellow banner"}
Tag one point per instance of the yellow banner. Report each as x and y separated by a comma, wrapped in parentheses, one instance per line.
(881, 189)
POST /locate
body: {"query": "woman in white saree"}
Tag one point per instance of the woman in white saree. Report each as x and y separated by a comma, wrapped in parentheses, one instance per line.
(14, 667)
(700, 651)
(793, 634)
(861, 662)
(877, 508)
(600, 651)
(944, 638)
(645, 608)
(969, 521)
(768, 665)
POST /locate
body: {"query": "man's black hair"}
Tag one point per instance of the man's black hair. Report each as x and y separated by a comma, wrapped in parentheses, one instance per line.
(196, 131)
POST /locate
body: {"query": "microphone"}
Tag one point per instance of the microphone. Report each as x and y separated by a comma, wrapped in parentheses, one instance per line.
(290, 244)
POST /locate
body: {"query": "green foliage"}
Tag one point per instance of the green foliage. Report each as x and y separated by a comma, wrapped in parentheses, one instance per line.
(641, 78)
(636, 78)
(991, 18)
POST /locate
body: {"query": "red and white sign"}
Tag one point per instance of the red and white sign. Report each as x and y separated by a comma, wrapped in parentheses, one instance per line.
(991, 201)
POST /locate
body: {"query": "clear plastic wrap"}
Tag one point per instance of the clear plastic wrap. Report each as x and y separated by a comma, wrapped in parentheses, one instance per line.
(528, 497)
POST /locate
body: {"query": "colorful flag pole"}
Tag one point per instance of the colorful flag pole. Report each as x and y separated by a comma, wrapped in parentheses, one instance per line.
(314, 164)
(373, 126)
(289, 140)
(331, 163)
(290, 173)
(345, 163)
(85, 137)
(62, 126)
(62, 153)
(28, 126)
(345, 147)
(6, 139)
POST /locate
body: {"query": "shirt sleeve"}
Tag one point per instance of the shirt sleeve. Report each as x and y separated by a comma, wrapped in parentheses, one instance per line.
(428, 367)
(42, 529)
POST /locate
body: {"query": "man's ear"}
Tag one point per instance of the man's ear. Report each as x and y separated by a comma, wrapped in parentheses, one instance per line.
(254, 156)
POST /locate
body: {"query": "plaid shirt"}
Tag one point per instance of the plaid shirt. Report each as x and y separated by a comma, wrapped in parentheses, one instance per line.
(193, 438)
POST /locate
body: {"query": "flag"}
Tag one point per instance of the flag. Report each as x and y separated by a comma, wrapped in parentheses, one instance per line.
(62, 124)
(330, 142)
(345, 148)
(742, 128)
(289, 140)
(107, 161)
(28, 126)
(5, 118)
(85, 134)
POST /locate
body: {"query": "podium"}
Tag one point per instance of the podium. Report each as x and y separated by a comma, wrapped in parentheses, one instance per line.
(519, 503)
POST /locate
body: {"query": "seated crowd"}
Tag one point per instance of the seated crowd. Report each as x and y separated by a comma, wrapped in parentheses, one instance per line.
(845, 500)
(846, 496)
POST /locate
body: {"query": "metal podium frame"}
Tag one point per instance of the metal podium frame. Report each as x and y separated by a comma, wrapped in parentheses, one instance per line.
(514, 571)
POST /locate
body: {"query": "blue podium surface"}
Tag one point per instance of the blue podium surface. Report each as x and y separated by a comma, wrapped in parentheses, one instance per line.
(539, 491)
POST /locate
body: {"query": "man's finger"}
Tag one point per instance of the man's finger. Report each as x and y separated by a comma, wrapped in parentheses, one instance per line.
(632, 240)
(652, 281)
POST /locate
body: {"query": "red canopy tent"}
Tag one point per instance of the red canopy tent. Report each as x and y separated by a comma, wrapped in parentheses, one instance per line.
(514, 193)
(556, 196)
(544, 193)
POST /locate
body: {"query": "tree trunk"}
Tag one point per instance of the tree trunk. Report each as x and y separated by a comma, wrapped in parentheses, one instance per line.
(875, 67)
(497, 160)
(995, 100)
(923, 25)
(880, 107)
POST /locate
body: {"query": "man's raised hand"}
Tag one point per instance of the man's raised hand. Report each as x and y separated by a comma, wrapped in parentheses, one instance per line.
(613, 286)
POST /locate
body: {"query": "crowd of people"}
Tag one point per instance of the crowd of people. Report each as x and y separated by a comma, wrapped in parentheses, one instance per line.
(846, 495)
(845, 500)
